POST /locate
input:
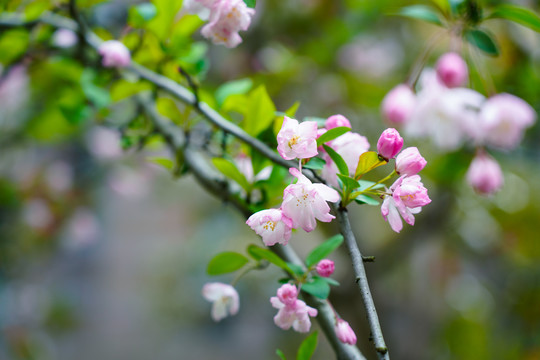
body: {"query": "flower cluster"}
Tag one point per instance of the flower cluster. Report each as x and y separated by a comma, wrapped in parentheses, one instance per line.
(291, 311)
(451, 114)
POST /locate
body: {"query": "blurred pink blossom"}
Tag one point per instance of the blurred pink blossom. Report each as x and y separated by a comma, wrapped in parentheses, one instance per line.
(485, 175)
(64, 38)
(344, 332)
(83, 228)
(297, 140)
(114, 53)
(292, 312)
(224, 298)
(272, 226)
(452, 70)
(398, 105)
(104, 143)
(335, 121)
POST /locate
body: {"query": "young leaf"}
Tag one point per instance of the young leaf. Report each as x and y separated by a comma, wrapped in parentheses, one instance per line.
(421, 12)
(226, 262)
(315, 164)
(260, 111)
(250, 3)
(230, 170)
(323, 250)
(241, 86)
(364, 199)
(367, 162)
(340, 163)
(364, 184)
(330, 281)
(348, 182)
(332, 134)
(291, 112)
(164, 162)
(259, 253)
(280, 354)
(517, 14)
(307, 348)
(483, 41)
(298, 270)
(317, 287)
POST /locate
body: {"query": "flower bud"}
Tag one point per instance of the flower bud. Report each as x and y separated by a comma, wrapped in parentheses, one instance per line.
(389, 144)
(287, 294)
(114, 53)
(485, 175)
(398, 105)
(344, 332)
(410, 162)
(325, 268)
(452, 70)
(336, 121)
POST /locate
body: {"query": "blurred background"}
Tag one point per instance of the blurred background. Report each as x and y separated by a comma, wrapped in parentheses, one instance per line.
(103, 253)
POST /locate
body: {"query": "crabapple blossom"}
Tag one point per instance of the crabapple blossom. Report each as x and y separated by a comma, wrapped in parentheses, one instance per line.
(64, 38)
(291, 311)
(410, 162)
(114, 53)
(335, 121)
(344, 332)
(272, 226)
(485, 175)
(389, 144)
(325, 267)
(245, 165)
(297, 140)
(398, 105)
(304, 202)
(224, 298)
(408, 197)
(452, 70)
(503, 119)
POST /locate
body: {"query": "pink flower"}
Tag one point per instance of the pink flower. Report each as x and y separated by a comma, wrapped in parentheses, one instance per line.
(224, 298)
(297, 140)
(272, 225)
(503, 118)
(304, 202)
(335, 121)
(398, 105)
(408, 197)
(325, 268)
(410, 162)
(452, 70)
(389, 144)
(292, 312)
(245, 165)
(227, 18)
(114, 53)
(485, 175)
(344, 332)
(64, 38)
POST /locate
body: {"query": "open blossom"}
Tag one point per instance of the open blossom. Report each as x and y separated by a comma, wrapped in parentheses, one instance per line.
(114, 53)
(335, 121)
(485, 175)
(227, 18)
(398, 105)
(408, 197)
(344, 332)
(410, 162)
(503, 118)
(292, 312)
(224, 298)
(325, 267)
(452, 70)
(272, 226)
(304, 202)
(297, 140)
(389, 144)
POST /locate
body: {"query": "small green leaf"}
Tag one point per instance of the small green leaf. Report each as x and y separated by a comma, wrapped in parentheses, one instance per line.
(517, 14)
(317, 287)
(168, 108)
(250, 3)
(348, 182)
(340, 163)
(332, 134)
(315, 164)
(297, 269)
(241, 87)
(324, 249)
(122, 89)
(364, 184)
(280, 354)
(330, 281)
(364, 199)
(226, 262)
(421, 12)
(367, 162)
(258, 253)
(307, 348)
(291, 112)
(230, 170)
(483, 41)
(260, 111)
(164, 162)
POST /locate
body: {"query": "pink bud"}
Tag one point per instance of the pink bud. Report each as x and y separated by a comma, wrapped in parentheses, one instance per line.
(410, 162)
(389, 144)
(484, 174)
(335, 121)
(344, 332)
(398, 105)
(114, 53)
(452, 70)
(325, 268)
(287, 294)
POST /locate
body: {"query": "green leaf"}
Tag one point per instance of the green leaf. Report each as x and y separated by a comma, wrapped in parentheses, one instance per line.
(315, 164)
(250, 3)
(421, 12)
(260, 111)
(330, 281)
(241, 86)
(164, 162)
(13, 43)
(291, 112)
(138, 15)
(280, 354)
(364, 199)
(168, 108)
(259, 253)
(226, 262)
(483, 41)
(317, 287)
(307, 348)
(340, 163)
(348, 182)
(332, 134)
(367, 162)
(324, 249)
(517, 14)
(230, 170)
(297, 269)
(364, 184)
(122, 89)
